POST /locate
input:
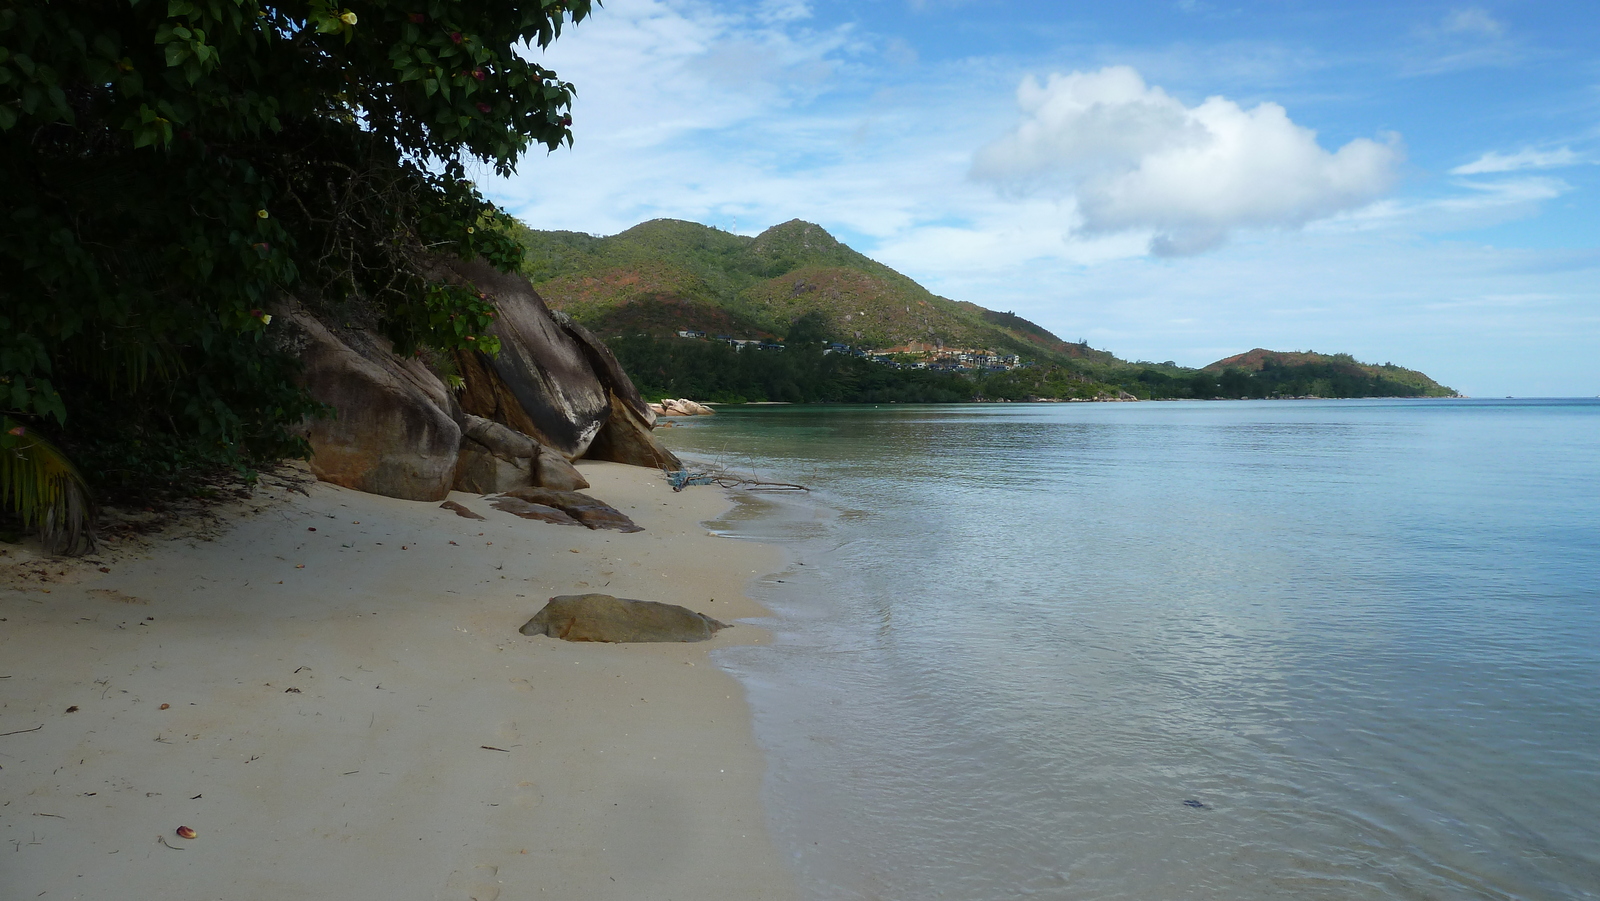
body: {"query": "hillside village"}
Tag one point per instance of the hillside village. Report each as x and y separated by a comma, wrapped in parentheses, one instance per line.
(911, 355)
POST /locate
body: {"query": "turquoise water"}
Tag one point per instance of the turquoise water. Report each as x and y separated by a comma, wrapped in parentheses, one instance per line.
(1238, 650)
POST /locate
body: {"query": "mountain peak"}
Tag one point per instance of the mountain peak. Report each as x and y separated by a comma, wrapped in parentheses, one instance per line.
(795, 235)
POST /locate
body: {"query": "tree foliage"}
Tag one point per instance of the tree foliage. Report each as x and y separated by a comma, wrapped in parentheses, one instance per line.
(171, 169)
(1341, 379)
(713, 371)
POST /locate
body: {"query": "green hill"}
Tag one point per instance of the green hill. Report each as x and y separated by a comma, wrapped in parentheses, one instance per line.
(666, 275)
(1387, 380)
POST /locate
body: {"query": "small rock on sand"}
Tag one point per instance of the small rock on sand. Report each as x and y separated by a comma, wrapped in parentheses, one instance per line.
(601, 617)
(459, 510)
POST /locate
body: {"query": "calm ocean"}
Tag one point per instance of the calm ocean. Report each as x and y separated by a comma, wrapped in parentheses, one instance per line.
(1226, 650)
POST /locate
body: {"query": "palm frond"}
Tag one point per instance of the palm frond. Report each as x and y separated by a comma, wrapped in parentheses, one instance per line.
(45, 490)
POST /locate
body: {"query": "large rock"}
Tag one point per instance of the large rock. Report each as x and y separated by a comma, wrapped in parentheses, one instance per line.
(496, 458)
(499, 439)
(610, 371)
(392, 432)
(552, 470)
(541, 383)
(601, 617)
(625, 438)
(480, 470)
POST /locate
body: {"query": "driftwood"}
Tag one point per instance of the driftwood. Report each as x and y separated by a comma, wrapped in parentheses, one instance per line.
(684, 478)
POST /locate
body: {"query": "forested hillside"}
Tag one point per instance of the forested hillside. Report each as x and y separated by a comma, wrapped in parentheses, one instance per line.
(667, 274)
(638, 289)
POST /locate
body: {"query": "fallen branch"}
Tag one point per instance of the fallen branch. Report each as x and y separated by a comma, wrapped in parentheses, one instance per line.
(683, 478)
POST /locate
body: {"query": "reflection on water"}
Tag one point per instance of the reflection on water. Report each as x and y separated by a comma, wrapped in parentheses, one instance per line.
(1189, 650)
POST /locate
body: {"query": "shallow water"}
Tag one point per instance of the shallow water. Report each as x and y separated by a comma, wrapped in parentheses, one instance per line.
(1344, 649)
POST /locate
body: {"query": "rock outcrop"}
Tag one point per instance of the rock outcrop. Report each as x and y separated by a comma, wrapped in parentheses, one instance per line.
(610, 371)
(626, 439)
(541, 382)
(496, 458)
(481, 471)
(601, 617)
(552, 394)
(392, 432)
(552, 470)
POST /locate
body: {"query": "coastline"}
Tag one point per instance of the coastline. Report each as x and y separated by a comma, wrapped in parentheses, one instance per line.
(353, 713)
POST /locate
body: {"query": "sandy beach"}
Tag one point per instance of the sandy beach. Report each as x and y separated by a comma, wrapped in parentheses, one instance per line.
(331, 691)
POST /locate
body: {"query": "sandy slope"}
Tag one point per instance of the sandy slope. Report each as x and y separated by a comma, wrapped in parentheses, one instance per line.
(353, 714)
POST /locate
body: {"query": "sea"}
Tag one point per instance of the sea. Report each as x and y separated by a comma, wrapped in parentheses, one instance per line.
(1224, 650)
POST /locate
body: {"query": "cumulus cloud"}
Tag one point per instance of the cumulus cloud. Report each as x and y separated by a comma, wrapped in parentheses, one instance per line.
(1529, 158)
(1136, 159)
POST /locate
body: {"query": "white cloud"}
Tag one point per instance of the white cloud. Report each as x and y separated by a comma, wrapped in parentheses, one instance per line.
(1467, 38)
(1472, 21)
(1523, 159)
(776, 11)
(1508, 192)
(744, 114)
(1137, 159)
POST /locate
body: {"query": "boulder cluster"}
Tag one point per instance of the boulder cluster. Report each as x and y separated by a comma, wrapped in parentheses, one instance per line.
(517, 419)
(680, 407)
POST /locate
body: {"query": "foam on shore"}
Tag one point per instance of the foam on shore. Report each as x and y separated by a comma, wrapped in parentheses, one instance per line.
(351, 712)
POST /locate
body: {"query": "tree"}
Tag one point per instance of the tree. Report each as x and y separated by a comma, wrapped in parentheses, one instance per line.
(170, 169)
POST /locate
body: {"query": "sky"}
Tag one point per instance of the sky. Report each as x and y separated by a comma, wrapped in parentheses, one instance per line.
(1408, 182)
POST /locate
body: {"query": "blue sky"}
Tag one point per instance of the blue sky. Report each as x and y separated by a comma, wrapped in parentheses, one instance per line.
(1177, 180)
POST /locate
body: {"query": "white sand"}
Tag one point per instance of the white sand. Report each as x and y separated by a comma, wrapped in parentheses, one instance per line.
(327, 724)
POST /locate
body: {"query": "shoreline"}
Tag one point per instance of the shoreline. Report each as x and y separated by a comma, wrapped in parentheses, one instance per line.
(352, 712)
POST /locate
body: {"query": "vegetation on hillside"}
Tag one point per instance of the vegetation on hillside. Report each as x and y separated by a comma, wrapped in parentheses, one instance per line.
(666, 274)
(171, 168)
(638, 288)
(717, 373)
(1343, 370)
